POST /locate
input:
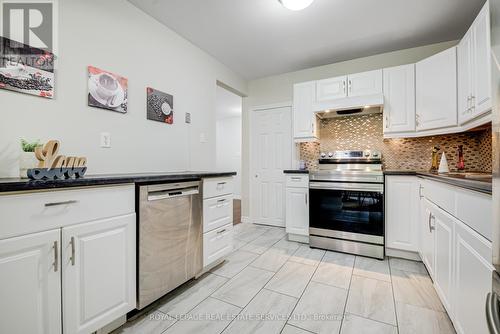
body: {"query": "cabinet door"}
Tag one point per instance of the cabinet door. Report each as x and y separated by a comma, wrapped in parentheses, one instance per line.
(30, 284)
(481, 96)
(464, 58)
(402, 199)
(473, 272)
(365, 83)
(399, 99)
(99, 275)
(303, 115)
(427, 236)
(331, 89)
(436, 91)
(443, 225)
(297, 211)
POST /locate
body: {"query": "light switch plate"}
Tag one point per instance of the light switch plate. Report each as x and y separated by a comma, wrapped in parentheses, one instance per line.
(105, 140)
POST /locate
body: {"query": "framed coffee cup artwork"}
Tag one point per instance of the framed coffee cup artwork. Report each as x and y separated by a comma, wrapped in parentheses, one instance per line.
(107, 90)
(160, 106)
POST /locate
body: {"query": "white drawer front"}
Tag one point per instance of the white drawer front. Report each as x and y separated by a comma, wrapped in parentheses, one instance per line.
(217, 212)
(297, 181)
(25, 213)
(217, 187)
(217, 244)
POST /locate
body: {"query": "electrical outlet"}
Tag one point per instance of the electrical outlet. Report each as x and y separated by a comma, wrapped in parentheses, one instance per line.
(105, 140)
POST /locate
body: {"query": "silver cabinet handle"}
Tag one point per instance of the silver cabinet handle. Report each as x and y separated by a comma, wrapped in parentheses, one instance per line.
(56, 256)
(492, 313)
(221, 183)
(60, 203)
(72, 258)
(306, 199)
(296, 178)
(420, 188)
(386, 121)
(221, 231)
(429, 222)
(350, 86)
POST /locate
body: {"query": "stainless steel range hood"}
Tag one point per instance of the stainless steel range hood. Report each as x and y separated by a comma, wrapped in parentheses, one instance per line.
(351, 106)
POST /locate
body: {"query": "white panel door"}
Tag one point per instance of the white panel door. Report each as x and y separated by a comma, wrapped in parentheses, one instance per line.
(399, 99)
(297, 211)
(436, 91)
(473, 271)
(402, 214)
(482, 92)
(443, 266)
(464, 61)
(271, 153)
(331, 89)
(303, 115)
(99, 273)
(365, 83)
(30, 284)
(427, 236)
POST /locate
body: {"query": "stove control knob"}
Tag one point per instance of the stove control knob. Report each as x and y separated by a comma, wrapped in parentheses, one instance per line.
(367, 154)
(323, 155)
(330, 154)
(375, 155)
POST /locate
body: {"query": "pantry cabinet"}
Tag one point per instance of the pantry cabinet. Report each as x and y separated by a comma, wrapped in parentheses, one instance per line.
(98, 263)
(399, 99)
(474, 61)
(30, 284)
(402, 212)
(436, 91)
(305, 127)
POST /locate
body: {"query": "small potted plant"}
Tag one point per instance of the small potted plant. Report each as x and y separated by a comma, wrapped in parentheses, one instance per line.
(27, 159)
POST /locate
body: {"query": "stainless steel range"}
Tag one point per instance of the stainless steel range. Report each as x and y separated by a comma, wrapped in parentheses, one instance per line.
(346, 207)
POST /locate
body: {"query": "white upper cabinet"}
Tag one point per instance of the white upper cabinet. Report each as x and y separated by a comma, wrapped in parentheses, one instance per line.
(402, 197)
(436, 91)
(365, 83)
(399, 99)
(474, 61)
(304, 120)
(331, 89)
(30, 284)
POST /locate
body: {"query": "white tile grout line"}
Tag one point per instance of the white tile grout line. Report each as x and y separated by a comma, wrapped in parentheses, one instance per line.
(348, 291)
(393, 295)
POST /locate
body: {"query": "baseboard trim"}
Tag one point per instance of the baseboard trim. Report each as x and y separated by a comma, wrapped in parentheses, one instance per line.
(402, 254)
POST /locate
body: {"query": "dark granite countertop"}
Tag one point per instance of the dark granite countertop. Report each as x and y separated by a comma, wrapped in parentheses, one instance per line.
(296, 171)
(18, 184)
(481, 182)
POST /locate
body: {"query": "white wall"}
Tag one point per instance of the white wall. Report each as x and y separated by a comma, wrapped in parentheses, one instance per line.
(279, 88)
(229, 149)
(116, 36)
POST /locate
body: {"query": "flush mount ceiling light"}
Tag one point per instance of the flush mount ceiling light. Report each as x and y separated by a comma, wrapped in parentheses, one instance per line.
(296, 4)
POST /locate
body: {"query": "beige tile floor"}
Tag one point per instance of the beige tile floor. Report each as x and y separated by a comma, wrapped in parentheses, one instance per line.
(271, 285)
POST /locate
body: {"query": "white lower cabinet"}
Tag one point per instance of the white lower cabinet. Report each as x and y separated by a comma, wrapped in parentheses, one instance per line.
(30, 284)
(402, 212)
(64, 267)
(297, 207)
(217, 220)
(99, 281)
(458, 260)
(473, 270)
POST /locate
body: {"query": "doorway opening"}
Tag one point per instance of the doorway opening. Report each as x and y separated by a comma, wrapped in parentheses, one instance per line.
(228, 133)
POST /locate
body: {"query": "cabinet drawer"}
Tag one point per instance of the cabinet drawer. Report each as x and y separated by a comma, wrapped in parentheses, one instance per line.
(217, 212)
(297, 181)
(217, 187)
(25, 213)
(217, 244)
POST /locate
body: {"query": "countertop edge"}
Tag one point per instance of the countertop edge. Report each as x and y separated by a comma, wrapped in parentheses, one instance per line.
(16, 185)
(295, 171)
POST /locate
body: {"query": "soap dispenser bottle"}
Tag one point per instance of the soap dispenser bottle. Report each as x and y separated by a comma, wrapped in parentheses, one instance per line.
(461, 162)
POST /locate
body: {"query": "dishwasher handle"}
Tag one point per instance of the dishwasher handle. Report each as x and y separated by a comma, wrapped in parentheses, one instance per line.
(172, 193)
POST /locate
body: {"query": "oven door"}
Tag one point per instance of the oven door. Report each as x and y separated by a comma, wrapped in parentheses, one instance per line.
(347, 209)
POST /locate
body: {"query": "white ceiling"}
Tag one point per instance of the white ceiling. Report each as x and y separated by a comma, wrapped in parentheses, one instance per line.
(228, 104)
(257, 38)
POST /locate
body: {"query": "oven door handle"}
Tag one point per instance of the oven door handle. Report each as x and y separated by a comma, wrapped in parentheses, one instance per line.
(365, 187)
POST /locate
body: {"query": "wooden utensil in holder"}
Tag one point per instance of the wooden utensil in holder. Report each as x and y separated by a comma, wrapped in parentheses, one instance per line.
(56, 167)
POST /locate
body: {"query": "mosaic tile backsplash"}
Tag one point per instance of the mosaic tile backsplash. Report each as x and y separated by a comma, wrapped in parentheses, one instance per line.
(366, 132)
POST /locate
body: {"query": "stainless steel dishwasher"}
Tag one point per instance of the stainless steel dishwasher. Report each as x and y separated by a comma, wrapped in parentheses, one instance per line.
(170, 238)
